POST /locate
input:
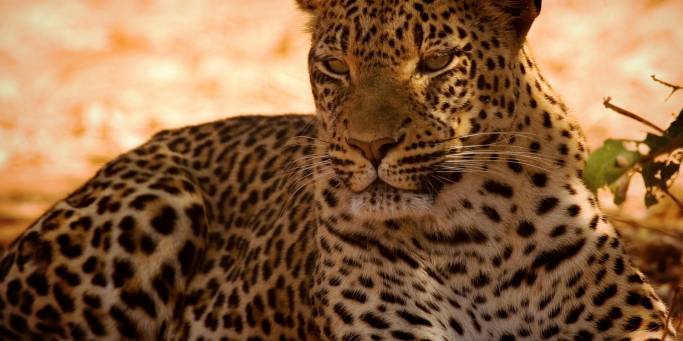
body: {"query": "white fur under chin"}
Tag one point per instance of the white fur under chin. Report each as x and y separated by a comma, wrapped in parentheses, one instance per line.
(384, 207)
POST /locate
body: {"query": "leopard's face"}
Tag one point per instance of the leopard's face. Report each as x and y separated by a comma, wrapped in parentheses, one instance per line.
(405, 92)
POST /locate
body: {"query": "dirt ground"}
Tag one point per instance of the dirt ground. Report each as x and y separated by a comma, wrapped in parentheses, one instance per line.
(82, 81)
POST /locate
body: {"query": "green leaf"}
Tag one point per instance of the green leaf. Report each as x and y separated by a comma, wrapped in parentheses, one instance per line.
(608, 163)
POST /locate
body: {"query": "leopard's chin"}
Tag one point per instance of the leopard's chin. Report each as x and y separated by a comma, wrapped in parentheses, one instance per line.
(381, 201)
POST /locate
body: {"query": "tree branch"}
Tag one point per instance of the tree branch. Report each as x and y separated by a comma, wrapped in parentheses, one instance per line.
(669, 232)
(607, 103)
(673, 87)
(673, 198)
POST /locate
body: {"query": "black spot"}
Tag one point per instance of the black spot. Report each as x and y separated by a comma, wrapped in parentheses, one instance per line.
(402, 335)
(366, 281)
(374, 321)
(574, 314)
(18, 323)
(546, 205)
(456, 326)
(49, 313)
(38, 282)
(99, 280)
(539, 179)
(164, 223)
(147, 244)
(66, 302)
(552, 258)
(535, 146)
(135, 299)
(550, 331)
(330, 198)
(69, 277)
(124, 324)
(604, 323)
(491, 213)
(607, 293)
(594, 222)
(94, 323)
(343, 313)
(68, 249)
(391, 298)
(633, 323)
(84, 222)
(558, 231)
(481, 280)
(418, 35)
(6, 265)
(126, 242)
(507, 337)
(13, 292)
(92, 301)
(141, 200)
(196, 215)
(515, 166)
(573, 210)
(123, 270)
(354, 295)
(619, 266)
(413, 319)
(77, 332)
(498, 188)
(89, 265)
(458, 236)
(583, 335)
(127, 223)
(186, 256)
(547, 122)
(525, 229)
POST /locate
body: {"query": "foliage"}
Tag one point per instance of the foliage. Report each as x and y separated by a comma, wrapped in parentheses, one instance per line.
(657, 158)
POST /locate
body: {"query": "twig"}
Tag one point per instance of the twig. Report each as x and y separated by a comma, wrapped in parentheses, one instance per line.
(673, 87)
(637, 224)
(673, 198)
(622, 111)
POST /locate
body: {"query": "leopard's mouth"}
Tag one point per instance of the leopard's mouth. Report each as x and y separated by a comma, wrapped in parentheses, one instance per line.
(383, 201)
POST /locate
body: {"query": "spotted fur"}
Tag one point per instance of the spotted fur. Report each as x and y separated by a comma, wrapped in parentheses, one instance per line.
(424, 201)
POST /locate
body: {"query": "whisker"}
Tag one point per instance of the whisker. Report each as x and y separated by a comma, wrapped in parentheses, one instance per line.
(499, 133)
(309, 138)
(479, 162)
(304, 167)
(494, 156)
(487, 146)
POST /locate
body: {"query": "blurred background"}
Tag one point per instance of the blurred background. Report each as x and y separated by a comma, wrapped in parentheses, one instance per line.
(82, 81)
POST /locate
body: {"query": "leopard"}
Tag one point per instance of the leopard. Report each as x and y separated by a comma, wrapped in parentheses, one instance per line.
(435, 194)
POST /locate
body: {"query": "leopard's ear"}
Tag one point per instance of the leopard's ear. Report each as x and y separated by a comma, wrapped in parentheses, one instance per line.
(308, 5)
(520, 14)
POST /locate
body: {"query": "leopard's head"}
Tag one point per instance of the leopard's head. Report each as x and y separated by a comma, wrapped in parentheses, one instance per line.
(403, 89)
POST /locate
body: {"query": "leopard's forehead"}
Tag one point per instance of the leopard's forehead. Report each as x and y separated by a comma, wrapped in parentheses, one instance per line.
(392, 30)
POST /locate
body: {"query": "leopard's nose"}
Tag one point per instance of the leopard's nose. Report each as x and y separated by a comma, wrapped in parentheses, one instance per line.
(375, 150)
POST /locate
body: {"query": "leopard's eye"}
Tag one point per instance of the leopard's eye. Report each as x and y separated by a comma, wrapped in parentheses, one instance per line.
(435, 63)
(336, 66)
